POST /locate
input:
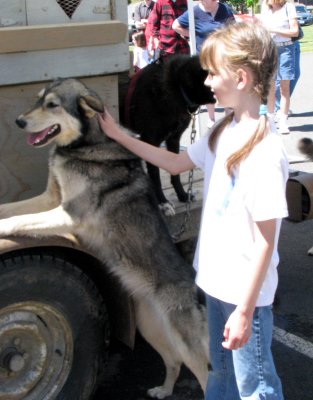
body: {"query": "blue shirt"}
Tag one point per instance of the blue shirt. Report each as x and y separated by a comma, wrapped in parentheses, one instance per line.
(205, 24)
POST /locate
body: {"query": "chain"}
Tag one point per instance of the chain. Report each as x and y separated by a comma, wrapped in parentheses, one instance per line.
(186, 219)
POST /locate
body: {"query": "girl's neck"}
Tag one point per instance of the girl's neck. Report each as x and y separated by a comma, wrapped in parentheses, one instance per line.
(248, 110)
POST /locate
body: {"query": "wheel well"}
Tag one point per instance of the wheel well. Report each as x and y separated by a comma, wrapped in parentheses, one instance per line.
(118, 302)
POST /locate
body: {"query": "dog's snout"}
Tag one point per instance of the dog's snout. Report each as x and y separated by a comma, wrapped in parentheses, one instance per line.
(21, 122)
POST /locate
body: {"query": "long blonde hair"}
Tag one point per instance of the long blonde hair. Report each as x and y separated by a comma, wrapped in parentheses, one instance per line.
(236, 46)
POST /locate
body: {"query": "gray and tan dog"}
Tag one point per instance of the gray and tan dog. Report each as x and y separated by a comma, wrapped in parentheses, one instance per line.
(98, 192)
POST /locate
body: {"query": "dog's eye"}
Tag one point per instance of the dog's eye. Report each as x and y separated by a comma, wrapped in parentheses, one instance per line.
(52, 104)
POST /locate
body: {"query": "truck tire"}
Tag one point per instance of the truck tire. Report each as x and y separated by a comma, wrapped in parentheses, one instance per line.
(54, 329)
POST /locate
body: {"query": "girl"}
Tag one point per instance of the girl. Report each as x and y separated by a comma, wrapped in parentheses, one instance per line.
(244, 201)
(280, 18)
(140, 52)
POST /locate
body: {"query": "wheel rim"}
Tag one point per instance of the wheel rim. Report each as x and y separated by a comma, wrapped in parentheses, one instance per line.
(36, 351)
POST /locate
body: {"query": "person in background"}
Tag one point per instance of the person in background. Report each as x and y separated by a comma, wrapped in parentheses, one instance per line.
(236, 258)
(293, 82)
(280, 18)
(162, 34)
(140, 51)
(209, 15)
(141, 14)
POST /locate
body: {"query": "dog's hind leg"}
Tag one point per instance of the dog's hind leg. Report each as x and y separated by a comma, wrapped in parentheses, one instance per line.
(192, 340)
(155, 328)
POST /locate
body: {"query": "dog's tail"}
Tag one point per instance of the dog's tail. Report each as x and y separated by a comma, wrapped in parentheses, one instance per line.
(305, 146)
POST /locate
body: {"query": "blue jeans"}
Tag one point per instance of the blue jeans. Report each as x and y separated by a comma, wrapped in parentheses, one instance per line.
(294, 81)
(246, 373)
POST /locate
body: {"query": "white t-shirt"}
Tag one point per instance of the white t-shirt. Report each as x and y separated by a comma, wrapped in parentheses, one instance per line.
(231, 205)
(279, 19)
(142, 57)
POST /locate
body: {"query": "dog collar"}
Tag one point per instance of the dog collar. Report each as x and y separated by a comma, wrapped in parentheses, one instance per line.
(190, 104)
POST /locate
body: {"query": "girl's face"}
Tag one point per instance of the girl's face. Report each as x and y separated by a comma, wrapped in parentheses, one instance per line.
(223, 83)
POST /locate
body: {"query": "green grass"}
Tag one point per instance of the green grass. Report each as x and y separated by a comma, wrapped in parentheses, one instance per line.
(307, 42)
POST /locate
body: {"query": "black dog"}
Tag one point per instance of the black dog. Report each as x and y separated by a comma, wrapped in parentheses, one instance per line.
(158, 106)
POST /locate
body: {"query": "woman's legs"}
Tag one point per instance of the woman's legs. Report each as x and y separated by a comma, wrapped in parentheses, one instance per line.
(284, 106)
(284, 96)
(294, 81)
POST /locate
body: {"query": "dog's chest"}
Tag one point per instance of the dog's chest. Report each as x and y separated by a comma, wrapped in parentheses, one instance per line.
(72, 182)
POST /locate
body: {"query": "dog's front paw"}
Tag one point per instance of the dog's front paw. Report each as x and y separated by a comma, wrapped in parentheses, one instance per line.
(159, 392)
(167, 208)
(7, 227)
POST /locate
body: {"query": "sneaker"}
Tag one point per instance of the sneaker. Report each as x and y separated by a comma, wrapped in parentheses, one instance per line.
(283, 128)
(271, 121)
(279, 114)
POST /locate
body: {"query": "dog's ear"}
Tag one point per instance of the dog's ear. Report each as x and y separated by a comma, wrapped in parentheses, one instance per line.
(91, 105)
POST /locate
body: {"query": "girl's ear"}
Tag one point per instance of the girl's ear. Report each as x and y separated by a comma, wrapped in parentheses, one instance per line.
(242, 78)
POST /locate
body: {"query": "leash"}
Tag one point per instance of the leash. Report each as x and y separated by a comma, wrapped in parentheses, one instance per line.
(185, 224)
(128, 98)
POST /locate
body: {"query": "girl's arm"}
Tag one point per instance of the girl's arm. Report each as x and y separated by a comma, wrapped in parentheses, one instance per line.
(238, 327)
(171, 162)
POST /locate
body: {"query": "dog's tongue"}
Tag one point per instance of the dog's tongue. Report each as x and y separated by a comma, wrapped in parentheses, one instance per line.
(37, 136)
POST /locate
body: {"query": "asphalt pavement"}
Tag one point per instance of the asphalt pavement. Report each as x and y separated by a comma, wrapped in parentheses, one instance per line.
(130, 373)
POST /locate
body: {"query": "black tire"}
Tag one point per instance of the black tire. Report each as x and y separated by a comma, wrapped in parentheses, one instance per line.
(54, 329)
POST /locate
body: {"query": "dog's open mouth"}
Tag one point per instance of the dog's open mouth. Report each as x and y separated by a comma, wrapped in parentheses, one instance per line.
(43, 137)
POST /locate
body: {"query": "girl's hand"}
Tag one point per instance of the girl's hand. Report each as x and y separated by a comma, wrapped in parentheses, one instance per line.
(109, 126)
(237, 330)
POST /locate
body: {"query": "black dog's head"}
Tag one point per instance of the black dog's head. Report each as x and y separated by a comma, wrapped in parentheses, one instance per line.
(190, 77)
(62, 109)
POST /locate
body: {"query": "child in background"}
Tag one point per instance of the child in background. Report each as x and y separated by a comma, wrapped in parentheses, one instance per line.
(245, 174)
(140, 52)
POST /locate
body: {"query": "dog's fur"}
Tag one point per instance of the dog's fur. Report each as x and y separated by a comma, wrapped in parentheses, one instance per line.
(305, 146)
(98, 191)
(158, 107)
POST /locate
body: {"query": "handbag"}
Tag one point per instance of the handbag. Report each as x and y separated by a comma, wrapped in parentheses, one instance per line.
(300, 34)
(300, 31)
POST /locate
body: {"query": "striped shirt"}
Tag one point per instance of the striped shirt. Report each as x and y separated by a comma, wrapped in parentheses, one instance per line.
(162, 17)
